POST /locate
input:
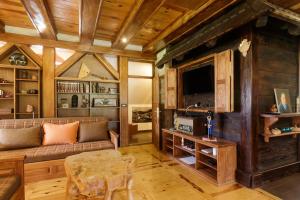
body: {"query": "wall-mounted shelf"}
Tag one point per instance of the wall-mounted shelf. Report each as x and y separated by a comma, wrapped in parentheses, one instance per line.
(271, 119)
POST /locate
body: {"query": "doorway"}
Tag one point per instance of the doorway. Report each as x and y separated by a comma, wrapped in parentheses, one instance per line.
(140, 75)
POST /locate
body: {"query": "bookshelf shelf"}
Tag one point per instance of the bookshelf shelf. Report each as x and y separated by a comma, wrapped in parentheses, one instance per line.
(219, 168)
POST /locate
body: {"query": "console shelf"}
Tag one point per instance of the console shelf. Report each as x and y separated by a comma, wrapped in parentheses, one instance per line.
(271, 119)
(219, 169)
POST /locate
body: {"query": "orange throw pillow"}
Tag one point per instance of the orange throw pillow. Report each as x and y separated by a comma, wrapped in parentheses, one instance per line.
(60, 134)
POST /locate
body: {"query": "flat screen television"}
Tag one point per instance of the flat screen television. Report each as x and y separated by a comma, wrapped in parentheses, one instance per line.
(199, 80)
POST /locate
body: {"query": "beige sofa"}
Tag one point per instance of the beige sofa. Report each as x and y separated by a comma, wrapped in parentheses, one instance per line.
(46, 162)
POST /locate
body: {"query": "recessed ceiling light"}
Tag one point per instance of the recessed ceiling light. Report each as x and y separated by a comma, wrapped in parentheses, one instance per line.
(124, 40)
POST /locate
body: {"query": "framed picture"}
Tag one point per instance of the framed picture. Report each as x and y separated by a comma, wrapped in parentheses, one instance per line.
(113, 90)
(99, 102)
(283, 100)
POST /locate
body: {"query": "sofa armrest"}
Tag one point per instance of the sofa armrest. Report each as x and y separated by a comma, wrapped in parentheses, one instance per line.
(12, 165)
(114, 138)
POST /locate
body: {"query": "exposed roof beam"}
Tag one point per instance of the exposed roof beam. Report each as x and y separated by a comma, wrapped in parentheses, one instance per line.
(236, 17)
(127, 22)
(284, 14)
(89, 12)
(22, 39)
(145, 12)
(209, 10)
(68, 63)
(178, 23)
(40, 16)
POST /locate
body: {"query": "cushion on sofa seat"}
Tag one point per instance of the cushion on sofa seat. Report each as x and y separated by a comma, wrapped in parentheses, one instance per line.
(8, 186)
(54, 152)
(20, 138)
(93, 131)
(60, 133)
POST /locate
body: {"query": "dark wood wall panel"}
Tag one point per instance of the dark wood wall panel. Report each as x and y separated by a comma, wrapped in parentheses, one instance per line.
(277, 67)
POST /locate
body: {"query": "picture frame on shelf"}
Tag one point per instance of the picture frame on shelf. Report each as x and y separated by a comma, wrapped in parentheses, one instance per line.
(283, 100)
(100, 102)
(113, 90)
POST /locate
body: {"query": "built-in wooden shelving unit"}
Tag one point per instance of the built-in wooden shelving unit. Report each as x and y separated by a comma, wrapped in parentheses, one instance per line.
(98, 92)
(271, 119)
(17, 83)
(218, 168)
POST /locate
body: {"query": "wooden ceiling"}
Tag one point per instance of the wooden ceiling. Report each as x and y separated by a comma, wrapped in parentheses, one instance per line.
(148, 23)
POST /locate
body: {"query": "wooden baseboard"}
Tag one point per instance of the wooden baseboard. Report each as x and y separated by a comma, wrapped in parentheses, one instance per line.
(256, 179)
(44, 170)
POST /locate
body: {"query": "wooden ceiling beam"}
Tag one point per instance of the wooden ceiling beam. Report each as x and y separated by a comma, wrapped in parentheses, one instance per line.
(178, 23)
(145, 12)
(28, 51)
(23, 39)
(236, 17)
(107, 66)
(127, 22)
(89, 12)
(40, 16)
(68, 63)
(210, 9)
(6, 49)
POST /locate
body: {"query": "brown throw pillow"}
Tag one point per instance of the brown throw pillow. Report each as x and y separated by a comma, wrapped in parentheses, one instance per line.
(93, 131)
(20, 138)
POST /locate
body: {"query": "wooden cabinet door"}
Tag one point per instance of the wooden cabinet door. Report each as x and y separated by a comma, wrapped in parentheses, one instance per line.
(224, 82)
(171, 88)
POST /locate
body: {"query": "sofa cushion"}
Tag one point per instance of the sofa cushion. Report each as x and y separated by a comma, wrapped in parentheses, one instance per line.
(53, 152)
(93, 131)
(8, 186)
(60, 134)
(20, 138)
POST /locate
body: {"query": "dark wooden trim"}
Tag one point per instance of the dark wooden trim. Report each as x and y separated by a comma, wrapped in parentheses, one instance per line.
(236, 17)
(247, 114)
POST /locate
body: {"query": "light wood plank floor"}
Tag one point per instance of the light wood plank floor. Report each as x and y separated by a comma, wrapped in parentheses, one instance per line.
(157, 177)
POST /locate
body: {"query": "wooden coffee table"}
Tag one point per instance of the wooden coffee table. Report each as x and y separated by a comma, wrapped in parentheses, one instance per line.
(94, 175)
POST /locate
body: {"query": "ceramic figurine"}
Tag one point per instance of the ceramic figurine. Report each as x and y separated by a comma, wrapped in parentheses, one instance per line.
(29, 108)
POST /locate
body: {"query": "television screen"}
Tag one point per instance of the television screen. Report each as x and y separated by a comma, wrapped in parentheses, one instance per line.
(199, 80)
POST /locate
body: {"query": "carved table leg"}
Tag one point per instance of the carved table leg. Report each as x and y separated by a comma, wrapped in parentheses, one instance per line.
(129, 187)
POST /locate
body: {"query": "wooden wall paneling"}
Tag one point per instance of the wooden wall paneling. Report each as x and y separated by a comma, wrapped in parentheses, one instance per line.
(39, 14)
(68, 63)
(23, 39)
(146, 10)
(171, 88)
(107, 66)
(89, 12)
(123, 68)
(48, 88)
(224, 81)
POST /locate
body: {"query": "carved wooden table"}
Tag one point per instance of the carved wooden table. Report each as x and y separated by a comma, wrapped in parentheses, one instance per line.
(94, 175)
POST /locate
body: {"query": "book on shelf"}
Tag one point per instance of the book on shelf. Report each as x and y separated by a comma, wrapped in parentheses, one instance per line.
(207, 150)
(190, 160)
